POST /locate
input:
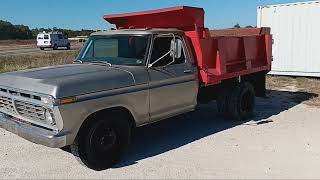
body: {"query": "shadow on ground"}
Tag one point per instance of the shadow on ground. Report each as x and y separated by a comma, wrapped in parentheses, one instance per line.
(176, 132)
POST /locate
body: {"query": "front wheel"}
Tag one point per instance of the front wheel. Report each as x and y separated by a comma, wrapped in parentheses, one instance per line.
(101, 145)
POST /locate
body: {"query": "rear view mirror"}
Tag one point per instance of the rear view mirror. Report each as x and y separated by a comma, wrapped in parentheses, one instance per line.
(176, 48)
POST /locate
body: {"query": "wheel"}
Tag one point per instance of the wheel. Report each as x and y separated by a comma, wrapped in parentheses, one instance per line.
(55, 47)
(101, 144)
(68, 46)
(42, 48)
(241, 102)
(222, 102)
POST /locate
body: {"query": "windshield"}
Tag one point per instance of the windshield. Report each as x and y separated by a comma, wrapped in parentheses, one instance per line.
(116, 49)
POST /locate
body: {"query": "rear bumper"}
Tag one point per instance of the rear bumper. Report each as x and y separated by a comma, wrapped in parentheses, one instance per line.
(31, 133)
(44, 46)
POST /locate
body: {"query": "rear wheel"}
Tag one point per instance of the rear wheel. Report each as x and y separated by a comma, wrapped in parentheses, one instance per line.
(68, 46)
(101, 144)
(241, 102)
(55, 47)
(222, 102)
(42, 48)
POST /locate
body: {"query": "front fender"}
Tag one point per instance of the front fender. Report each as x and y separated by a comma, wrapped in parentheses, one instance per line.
(134, 99)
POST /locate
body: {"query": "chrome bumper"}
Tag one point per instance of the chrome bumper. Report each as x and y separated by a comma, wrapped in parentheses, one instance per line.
(31, 133)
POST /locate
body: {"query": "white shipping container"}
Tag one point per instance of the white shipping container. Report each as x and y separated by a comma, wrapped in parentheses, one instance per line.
(296, 32)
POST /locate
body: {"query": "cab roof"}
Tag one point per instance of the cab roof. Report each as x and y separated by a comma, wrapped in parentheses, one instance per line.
(137, 31)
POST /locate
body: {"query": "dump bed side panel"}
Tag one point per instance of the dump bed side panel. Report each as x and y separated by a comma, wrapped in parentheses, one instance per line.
(231, 53)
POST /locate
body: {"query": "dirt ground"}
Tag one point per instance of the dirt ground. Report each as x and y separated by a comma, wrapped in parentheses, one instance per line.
(281, 141)
(307, 88)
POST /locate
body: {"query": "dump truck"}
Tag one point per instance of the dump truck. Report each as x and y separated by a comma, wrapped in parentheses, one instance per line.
(154, 65)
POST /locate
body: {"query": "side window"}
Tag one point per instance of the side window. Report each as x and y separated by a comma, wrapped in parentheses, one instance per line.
(60, 36)
(161, 46)
(161, 52)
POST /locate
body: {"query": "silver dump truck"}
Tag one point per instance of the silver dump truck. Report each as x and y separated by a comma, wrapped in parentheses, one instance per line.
(133, 76)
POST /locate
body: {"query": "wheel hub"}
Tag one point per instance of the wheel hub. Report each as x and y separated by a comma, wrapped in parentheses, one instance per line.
(108, 139)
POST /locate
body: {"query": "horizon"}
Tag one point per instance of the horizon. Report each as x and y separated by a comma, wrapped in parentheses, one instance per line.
(218, 14)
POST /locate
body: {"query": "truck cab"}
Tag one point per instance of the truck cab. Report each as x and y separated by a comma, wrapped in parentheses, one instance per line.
(161, 55)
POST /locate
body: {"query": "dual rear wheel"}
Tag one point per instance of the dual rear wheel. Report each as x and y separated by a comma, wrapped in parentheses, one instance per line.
(237, 102)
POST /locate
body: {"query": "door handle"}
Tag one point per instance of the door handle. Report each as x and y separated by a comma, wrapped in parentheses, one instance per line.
(187, 71)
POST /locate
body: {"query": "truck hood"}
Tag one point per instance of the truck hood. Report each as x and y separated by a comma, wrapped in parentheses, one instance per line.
(69, 80)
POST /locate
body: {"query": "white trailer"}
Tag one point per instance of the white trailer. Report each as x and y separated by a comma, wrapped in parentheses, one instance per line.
(296, 33)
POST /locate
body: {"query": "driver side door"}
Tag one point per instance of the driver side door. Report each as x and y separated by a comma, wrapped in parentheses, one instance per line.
(173, 88)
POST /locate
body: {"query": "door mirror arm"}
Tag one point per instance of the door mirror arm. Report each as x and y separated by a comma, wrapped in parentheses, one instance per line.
(172, 50)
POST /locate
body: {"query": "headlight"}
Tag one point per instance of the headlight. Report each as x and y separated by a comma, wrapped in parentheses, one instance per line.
(47, 101)
(49, 118)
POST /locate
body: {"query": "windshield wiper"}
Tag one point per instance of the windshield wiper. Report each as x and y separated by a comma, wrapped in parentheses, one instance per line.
(100, 62)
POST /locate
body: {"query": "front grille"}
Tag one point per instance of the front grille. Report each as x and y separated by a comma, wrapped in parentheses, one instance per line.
(23, 105)
(6, 104)
(30, 111)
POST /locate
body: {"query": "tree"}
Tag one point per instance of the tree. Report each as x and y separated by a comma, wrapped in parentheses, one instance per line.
(237, 26)
(10, 31)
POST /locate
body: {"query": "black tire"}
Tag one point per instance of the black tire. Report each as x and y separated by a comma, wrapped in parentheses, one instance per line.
(55, 47)
(68, 46)
(241, 102)
(41, 48)
(222, 102)
(101, 145)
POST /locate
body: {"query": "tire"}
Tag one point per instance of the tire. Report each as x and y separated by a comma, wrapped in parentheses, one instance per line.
(68, 46)
(101, 145)
(41, 48)
(222, 102)
(55, 47)
(241, 102)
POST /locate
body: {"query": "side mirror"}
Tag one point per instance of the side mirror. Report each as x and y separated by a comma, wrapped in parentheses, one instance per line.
(176, 48)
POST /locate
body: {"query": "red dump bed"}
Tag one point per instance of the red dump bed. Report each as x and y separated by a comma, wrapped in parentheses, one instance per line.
(220, 54)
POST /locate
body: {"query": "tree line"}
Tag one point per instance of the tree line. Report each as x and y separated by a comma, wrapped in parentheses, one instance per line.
(21, 32)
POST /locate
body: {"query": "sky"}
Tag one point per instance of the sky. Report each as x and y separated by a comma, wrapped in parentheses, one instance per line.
(87, 14)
